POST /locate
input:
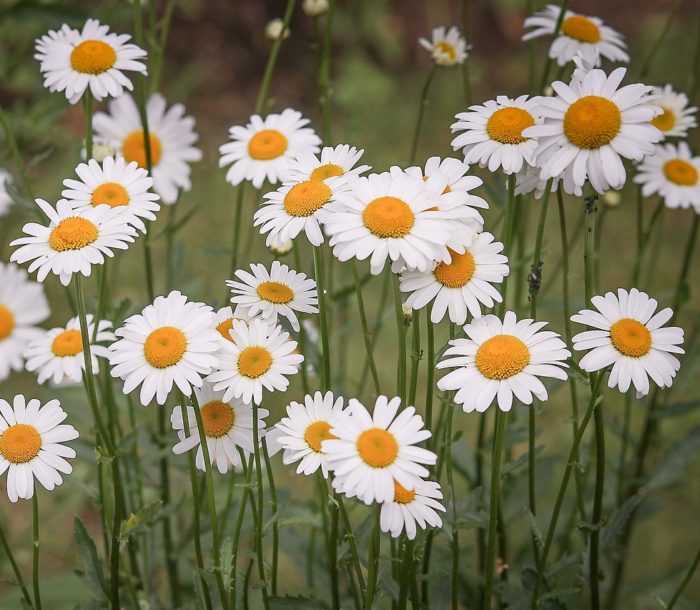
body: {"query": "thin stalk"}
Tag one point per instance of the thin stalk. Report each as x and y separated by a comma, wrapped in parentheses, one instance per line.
(548, 61)
(236, 237)
(408, 570)
(323, 317)
(508, 238)
(275, 508)
(324, 74)
(258, 514)
(350, 537)
(373, 561)
(685, 582)
(653, 50)
(421, 112)
(233, 573)
(87, 105)
(35, 554)
(330, 534)
(365, 329)
(429, 389)
(416, 355)
(401, 338)
(18, 575)
(465, 64)
(454, 540)
(157, 68)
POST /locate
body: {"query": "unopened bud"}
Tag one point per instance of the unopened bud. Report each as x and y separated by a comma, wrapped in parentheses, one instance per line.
(274, 29)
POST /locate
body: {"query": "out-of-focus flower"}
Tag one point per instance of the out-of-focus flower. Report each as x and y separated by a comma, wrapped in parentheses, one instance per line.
(447, 47)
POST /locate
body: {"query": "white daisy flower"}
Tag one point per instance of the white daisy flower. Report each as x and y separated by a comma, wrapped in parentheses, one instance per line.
(462, 285)
(493, 133)
(23, 304)
(589, 126)
(57, 356)
(578, 33)
(501, 360)
(73, 241)
(5, 197)
(333, 162)
(672, 173)
(677, 117)
(279, 291)
(31, 445)
(72, 61)
(228, 426)
(372, 451)
(173, 340)
(390, 215)
(528, 180)
(264, 148)
(411, 507)
(171, 134)
(447, 47)
(116, 184)
(631, 338)
(303, 431)
(260, 356)
(226, 316)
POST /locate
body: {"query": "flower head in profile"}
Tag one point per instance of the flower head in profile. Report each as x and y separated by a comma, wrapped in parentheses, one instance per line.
(226, 316)
(412, 508)
(677, 116)
(5, 196)
(94, 58)
(630, 337)
(501, 360)
(32, 438)
(447, 47)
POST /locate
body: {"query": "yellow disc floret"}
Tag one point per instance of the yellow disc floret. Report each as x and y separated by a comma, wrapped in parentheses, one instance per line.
(165, 347)
(581, 28)
(326, 171)
(458, 272)
(592, 122)
(681, 172)
(67, 343)
(7, 322)
(111, 193)
(506, 125)
(73, 234)
(630, 337)
(403, 495)
(254, 361)
(316, 433)
(501, 357)
(92, 57)
(134, 148)
(306, 198)
(275, 292)
(218, 418)
(267, 144)
(20, 443)
(388, 217)
(377, 447)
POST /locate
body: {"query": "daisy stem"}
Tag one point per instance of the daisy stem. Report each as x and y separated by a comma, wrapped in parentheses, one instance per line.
(508, 237)
(87, 105)
(401, 338)
(653, 50)
(162, 43)
(211, 499)
(324, 73)
(429, 390)
(35, 555)
(454, 546)
(258, 514)
(330, 539)
(365, 328)
(323, 313)
(350, 537)
(548, 61)
(275, 526)
(373, 559)
(684, 583)
(465, 63)
(15, 568)
(247, 492)
(238, 213)
(421, 111)
(416, 356)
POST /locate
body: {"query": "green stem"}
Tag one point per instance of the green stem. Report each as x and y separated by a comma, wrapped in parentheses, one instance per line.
(157, 69)
(324, 74)
(87, 104)
(373, 561)
(653, 50)
(465, 64)
(684, 583)
(323, 313)
(454, 542)
(275, 508)
(35, 554)
(508, 238)
(365, 329)
(401, 338)
(548, 61)
(236, 238)
(18, 575)
(258, 514)
(239, 528)
(421, 113)
(350, 537)
(429, 389)
(416, 356)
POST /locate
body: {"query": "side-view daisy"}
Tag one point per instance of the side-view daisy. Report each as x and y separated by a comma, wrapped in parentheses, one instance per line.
(23, 305)
(303, 431)
(73, 241)
(677, 117)
(579, 33)
(73, 61)
(333, 162)
(462, 285)
(410, 507)
(31, 445)
(264, 148)
(589, 126)
(5, 196)
(447, 47)
(57, 355)
(493, 133)
(226, 316)
(172, 340)
(228, 426)
(171, 135)
(630, 337)
(279, 291)
(260, 356)
(673, 173)
(117, 184)
(502, 359)
(371, 451)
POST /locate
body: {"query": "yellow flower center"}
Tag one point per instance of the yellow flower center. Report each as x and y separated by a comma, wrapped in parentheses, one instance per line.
(501, 357)
(218, 418)
(67, 343)
(665, 121)
(316, 433)
(134, 148)
(403, 495)
(92, 57)
(681, 172)
(267, 144)
(111, 193)
(20, 443)
(592, 122)
(254, 361)
(225, 328)
(306, 198)
(388, 217)
(377, 447)
(581, 28)
(7, 322)
(506, 125)
(458, 272)
(72, 234)
(164, 347)
(447, 49)
(630, 337)
(275, 292)
(326, 171)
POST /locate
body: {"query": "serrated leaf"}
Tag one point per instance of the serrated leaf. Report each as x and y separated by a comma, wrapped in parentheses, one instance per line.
(535, 529)
(141, 520)
(93, 576)
(618, 519)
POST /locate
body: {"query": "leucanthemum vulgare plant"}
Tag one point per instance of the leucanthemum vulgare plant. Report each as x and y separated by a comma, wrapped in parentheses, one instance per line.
(403, 348)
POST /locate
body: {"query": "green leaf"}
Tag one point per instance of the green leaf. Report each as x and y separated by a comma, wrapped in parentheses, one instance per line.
(93, 576)
(226, 559)
(676, 409)
(618, 520)
(535, 529)
(141, 520)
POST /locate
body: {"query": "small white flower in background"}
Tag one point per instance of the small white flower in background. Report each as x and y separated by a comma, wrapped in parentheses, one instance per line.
(612, 198)
(630, 337)
(226, 316)
(57, 355)
(447, 47)
(314, 8)
(585, 60)
(172, 341)
(23, 304)
(412, 507)
(333, 161)
(5, 197)
(279, 291)
(116, 184)
(73, 61)
(677, 117)
(274, 29)
(528, 180)
(280, 247)
(74, 240)
(228, 426)
(501, 360)
(673, 173)
(31, 445)
(101, 150)
(303, 431)
(371, 451)
(171, 135)
(264, 148)
(407, 312)
(578, 33)
(311, 329)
